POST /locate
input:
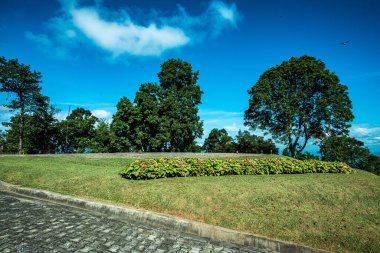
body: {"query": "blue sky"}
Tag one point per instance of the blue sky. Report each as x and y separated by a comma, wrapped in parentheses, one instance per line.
(91, 53)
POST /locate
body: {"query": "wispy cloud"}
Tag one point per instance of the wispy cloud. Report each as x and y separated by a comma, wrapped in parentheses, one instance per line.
(369, 134)
(204, 113)
(118, 33)
(46, 45)
(91, 105)
(41, 39)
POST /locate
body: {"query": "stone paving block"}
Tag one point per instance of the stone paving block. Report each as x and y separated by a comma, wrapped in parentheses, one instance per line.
(35, 226)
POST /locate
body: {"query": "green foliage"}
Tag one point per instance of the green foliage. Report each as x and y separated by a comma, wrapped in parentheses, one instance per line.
(179, 100)
(373, 164)
(185, 167)
(218, 141)
(299, 100)
(163, 117)
(349, 150)
(39, 130)
(2, 141)
(150, 133)
(307, 156)
(104, 140)
(22, 85)
(122, 125)
(250, 143)
(76, 132)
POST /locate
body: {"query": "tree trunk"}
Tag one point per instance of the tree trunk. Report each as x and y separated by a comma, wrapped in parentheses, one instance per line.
(21, 137)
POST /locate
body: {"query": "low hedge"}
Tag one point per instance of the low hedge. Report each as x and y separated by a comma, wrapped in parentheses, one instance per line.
(194, 167)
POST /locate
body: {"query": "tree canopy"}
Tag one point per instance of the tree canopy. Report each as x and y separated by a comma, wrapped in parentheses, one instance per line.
(162, 117)
(179, 100)
(77, 131)
(345, 149)
(297, 101)
(251, 143)
(218, 141)
(22, 86)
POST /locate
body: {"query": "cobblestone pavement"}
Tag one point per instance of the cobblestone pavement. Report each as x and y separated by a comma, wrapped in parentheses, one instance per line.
(29, 225)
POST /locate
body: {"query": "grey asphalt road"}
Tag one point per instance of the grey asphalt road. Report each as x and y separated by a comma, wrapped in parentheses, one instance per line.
(31, 225)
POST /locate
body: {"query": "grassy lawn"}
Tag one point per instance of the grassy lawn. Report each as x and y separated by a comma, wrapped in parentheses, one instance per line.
(336, 212)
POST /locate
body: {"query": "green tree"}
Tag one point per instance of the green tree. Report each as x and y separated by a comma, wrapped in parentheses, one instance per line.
(345, 149)
(218, 141)
(2, 141)
(179, 99)
(297, 101)
(250, 143)
(149, 129)
(104, 140)
(123, 124)
(22, 84)
(308, 156)
(39, 129)
(77, 131)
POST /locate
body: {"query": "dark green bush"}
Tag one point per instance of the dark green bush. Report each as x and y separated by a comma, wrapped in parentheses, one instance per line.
(194, 167)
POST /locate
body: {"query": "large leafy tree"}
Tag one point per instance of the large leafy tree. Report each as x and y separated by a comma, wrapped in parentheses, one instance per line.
(297, 101)
(250, 143)
(22, 85)
(218, 141)
(179, 99)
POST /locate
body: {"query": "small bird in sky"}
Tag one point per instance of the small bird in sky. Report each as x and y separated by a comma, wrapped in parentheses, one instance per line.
(344, 43)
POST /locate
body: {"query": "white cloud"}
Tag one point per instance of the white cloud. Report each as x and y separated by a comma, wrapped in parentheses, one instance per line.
(360, 131)
(127, 37)
(101, 114)
(118, 34)
(369, 134)
(224, 14)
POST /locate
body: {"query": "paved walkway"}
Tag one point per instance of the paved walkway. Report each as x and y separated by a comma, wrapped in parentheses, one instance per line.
(29, 225)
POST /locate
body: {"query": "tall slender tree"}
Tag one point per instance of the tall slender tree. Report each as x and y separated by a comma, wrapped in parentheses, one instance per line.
(180, 97)
(22, 85)
(149, 128)
(123, 124)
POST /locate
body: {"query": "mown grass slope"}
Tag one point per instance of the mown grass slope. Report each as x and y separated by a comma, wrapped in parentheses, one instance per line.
(337, 212)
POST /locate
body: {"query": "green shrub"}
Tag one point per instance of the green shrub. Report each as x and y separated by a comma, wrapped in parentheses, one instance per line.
(194, 167)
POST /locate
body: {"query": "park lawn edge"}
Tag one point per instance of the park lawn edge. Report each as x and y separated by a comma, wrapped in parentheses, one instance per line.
(218, 200)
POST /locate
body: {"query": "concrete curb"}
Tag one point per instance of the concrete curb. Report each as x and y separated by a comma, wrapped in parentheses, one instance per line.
(170, 222)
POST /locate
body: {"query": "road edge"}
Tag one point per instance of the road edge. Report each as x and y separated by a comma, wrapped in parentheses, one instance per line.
(166, 221)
